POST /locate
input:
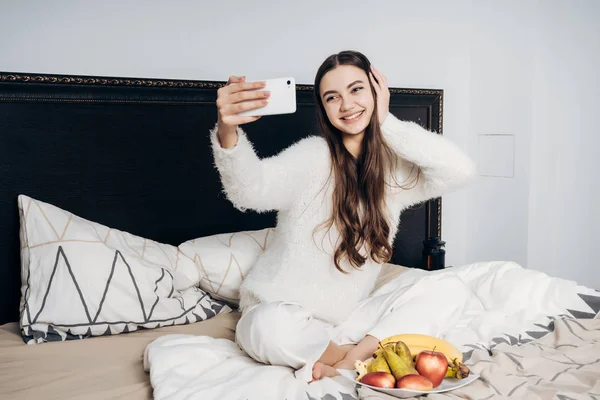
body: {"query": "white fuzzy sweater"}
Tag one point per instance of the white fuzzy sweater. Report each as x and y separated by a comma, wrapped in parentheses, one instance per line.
(298, 267)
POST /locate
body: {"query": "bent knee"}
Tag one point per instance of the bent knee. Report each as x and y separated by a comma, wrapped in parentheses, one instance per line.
(274, 323)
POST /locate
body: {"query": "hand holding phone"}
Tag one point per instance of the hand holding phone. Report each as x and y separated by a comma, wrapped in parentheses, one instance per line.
(240, 102)
(237, 96)
(282, 99)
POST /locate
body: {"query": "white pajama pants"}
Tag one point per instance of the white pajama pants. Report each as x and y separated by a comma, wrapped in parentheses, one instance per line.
(283, 333)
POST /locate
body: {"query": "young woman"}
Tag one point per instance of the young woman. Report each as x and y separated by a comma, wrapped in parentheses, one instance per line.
(305, 304)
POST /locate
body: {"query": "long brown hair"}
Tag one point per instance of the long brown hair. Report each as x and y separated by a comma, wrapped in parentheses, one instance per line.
(359, 181)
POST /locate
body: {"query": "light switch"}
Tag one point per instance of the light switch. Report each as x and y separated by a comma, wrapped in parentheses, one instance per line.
(496, 155)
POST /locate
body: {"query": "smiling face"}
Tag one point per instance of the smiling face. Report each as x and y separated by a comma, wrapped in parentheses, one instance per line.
(347, 99)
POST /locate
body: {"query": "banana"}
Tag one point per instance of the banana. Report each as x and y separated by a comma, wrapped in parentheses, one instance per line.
(457, 370)
(417, 343)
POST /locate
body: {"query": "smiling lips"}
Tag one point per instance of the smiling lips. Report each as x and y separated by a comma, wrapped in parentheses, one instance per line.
(350, 119)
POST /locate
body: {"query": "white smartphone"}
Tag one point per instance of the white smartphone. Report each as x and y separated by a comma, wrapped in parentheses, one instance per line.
(281, 101)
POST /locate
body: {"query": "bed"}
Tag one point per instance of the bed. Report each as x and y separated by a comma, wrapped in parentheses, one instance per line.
(133, 154)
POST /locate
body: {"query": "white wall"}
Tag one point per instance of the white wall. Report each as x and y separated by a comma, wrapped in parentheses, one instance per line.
(565, 177)
(534, 77)
(483, 54)
(501, 96)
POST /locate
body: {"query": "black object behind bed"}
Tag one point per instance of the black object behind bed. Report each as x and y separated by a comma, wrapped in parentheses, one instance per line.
(133, 154)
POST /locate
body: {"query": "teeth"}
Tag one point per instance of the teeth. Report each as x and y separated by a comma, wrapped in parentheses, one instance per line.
(353, 116)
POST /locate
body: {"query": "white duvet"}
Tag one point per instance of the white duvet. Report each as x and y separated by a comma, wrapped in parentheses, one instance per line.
(505, 299)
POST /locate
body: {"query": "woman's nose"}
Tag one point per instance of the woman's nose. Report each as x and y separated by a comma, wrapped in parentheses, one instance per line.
(346, 105)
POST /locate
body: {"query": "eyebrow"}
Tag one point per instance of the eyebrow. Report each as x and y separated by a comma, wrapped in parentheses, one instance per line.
(349, 86)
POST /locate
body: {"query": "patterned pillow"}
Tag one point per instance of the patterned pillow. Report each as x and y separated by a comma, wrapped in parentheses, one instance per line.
(82, 279)
(222, 261)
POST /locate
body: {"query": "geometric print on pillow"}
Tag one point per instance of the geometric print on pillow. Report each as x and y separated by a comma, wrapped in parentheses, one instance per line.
(81, 279)
(223, 261)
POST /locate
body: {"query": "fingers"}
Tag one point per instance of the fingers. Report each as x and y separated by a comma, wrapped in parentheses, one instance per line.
(235, 79)
(248, 105)
(237, 96)
(248, 95)
(380, 77)
(374, 82)
(374, 77)
(228, 112)
(237, 84)
(241, 86)
(237, 91)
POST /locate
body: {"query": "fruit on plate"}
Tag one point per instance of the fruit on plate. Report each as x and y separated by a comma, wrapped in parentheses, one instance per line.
(433, 365)
(398, 366)
(395, 359)
(418, 343)
(379, 379)
(361, 369)
(379, 351)
(399, 348)
(379, 365)
(404, 352)
(457, 370)
(414, 382)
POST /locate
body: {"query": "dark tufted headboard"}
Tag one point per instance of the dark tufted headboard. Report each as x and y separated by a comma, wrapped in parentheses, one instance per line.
(133, 154)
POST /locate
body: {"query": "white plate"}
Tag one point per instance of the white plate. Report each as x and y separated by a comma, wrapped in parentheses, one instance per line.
(446, 385)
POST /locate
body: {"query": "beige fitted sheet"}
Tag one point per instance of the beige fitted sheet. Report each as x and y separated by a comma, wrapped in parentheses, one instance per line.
(105, 367)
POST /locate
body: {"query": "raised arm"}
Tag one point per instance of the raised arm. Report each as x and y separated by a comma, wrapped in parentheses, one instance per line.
(444, 166)
(248, 182)
(263, 184)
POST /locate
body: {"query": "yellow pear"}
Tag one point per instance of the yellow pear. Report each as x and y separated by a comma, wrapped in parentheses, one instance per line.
(398, 366)
(379, 364)
(404, 352)
(379, 351)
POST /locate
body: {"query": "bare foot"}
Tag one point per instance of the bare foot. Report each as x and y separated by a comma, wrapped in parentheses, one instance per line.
(321, 370)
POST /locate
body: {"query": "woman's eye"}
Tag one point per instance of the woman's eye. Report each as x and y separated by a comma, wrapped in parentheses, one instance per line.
(356, 89)
(329, 98)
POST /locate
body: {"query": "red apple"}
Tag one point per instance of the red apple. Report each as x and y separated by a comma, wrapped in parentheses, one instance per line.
(415, 382)
(432, 365)
(380, 379)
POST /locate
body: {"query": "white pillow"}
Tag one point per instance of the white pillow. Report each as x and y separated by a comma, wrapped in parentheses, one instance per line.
(81, 279)
(223, 261)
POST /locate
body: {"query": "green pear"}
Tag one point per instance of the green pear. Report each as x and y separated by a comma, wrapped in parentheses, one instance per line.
(404, 352)
(379, 351)
(379, 364)
(398, 366)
